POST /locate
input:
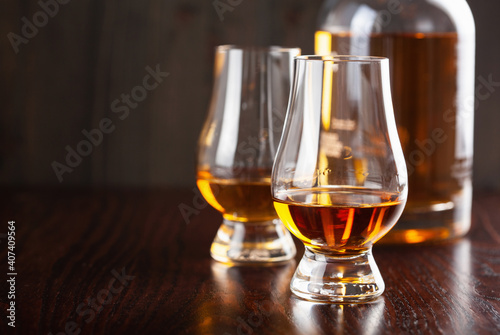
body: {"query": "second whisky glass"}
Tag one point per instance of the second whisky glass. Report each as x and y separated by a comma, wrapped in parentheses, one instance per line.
(339, 180)
(236, 152)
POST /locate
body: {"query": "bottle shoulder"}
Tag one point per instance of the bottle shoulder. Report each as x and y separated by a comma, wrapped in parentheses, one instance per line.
(396, 16)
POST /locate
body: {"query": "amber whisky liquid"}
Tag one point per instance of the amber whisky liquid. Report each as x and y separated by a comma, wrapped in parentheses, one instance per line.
(238, 200)
(338, 219)
(434, 122)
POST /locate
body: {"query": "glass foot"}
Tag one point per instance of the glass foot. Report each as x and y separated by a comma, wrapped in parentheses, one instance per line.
(337, 279)
(252, 242)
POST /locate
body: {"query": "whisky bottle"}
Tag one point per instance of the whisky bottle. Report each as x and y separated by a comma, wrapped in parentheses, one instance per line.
(431, 47)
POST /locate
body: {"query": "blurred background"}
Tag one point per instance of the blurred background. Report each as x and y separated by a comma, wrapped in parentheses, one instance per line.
(135, 77)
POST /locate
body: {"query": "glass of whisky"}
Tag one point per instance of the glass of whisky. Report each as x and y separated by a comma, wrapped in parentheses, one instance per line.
(236, 152)
(339, 181)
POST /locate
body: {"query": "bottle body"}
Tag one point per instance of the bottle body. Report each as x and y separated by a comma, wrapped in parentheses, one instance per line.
(431, 47)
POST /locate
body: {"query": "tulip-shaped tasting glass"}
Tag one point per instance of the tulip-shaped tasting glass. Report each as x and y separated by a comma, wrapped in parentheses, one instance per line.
(339, 180)
(237, 146)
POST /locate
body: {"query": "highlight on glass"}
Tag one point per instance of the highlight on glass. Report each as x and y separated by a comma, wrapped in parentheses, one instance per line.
(236, 151)
(339, 181)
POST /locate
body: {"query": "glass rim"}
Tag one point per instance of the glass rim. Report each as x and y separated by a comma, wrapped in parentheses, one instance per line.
(270, 48)
(341, 58)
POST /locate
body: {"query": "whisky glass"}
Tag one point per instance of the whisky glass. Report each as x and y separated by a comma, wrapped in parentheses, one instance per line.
(236, 151)
(339, 181)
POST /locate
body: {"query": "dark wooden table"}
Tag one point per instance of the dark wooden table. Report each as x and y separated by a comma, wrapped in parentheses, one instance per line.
(127, 262)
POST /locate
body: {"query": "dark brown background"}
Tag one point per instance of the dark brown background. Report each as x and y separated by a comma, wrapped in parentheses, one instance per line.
(65, 78)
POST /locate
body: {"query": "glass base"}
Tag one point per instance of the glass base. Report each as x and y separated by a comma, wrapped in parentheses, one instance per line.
(338, 278)
(252, 242)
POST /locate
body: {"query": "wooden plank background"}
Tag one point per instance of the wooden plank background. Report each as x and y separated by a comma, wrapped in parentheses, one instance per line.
(64, 79)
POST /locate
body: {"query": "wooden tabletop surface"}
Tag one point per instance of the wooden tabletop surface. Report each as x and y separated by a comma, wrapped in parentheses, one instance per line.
(129, 262)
